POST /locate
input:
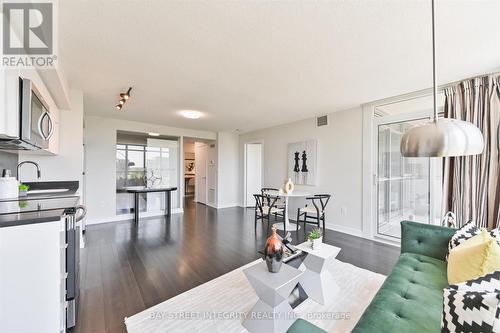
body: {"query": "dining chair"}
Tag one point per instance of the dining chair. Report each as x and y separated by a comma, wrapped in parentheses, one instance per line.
(265, 206)
(314, 213)
(280, 203)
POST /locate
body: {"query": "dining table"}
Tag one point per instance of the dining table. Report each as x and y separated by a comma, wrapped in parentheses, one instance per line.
(294, 194)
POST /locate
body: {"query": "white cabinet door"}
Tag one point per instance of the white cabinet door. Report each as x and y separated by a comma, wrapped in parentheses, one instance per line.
(9, 103)
(30, 278)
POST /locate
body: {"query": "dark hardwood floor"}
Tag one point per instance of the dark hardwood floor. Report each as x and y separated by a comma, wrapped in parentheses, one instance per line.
(126, 269)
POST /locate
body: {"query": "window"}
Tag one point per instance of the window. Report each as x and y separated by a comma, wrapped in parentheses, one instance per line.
(130, 165)
(153, 164)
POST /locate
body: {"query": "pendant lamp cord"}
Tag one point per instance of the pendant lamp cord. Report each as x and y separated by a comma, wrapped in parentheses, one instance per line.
(434, 84)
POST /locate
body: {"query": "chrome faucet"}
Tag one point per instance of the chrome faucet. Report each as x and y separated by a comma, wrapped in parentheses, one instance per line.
(38, 171)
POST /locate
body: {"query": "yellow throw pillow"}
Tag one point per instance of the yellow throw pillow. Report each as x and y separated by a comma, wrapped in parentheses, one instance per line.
(473, 258)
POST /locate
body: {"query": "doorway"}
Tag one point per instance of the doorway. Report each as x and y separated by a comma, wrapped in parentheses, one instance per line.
(253, 172)
(189, 169)
(200, 173)
(200, 149)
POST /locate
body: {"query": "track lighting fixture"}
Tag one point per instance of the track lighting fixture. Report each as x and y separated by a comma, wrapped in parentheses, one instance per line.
(123, 98)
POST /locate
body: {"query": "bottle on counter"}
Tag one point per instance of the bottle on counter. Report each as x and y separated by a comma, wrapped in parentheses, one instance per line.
(9, 186)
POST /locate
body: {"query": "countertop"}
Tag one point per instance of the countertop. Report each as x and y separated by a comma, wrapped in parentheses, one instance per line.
(39, 196)
(35, 209)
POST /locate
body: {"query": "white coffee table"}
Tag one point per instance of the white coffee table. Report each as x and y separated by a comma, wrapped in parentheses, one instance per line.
(272, 313)
(317, 281)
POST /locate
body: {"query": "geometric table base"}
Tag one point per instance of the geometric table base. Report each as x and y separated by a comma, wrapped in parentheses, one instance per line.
(320, 287)
(317, 280)
(264, 318)
(272, 313)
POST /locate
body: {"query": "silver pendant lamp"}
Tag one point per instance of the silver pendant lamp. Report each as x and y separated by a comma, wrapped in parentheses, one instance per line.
(441, 137)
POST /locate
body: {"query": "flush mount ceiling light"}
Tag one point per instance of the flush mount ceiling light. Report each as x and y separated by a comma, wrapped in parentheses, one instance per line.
(446, 137)
(123, 98)
(191, 114)
(154, 134)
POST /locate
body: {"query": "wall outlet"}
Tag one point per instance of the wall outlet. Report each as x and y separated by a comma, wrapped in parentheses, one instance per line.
(343, 211)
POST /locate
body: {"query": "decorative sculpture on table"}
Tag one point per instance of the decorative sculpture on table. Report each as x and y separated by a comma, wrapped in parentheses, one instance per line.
(289, 186)
(302, 162)
(296, 168)
(152, 178)
(274, 252)
(304, 169)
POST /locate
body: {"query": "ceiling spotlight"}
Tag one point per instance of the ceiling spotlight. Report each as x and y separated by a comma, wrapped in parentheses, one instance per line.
(127, 94)
(154, 134)
(123, 98)
(191, 114)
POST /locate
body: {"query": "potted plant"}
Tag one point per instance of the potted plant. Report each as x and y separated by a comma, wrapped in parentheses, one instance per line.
(315, 237)
(23, 190)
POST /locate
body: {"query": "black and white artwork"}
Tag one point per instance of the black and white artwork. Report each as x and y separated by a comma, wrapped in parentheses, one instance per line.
(302, 162)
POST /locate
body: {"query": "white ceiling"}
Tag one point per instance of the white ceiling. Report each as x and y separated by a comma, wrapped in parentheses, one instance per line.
(255, 64)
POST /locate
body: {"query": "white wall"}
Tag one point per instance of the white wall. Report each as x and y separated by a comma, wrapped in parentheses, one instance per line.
(339, 164)
(228, 170)
(68, 163)
(100, 160)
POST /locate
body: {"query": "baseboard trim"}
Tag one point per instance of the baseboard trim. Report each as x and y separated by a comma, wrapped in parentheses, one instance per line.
(345, 230)
(227, 206)
(125, 217)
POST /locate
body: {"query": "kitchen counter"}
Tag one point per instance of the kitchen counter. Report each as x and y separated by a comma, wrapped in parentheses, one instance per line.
(40, 196)
(35, 210)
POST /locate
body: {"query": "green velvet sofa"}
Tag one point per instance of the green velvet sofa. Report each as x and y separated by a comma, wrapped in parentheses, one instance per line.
(411, 298)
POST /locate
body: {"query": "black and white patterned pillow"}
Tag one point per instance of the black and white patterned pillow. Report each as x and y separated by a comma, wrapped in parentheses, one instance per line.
(472, 306)
(469, 230)
(495, 233)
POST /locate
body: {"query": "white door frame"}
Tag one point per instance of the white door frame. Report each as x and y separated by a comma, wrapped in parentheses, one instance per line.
(370, 158)
(261, 142)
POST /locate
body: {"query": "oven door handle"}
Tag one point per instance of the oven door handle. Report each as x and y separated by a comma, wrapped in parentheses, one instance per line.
(82, 215)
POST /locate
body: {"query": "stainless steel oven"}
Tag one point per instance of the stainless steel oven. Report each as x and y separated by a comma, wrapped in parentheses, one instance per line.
(36, 125)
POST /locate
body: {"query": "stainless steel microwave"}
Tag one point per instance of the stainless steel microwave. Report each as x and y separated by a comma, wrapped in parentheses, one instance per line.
(36, 125)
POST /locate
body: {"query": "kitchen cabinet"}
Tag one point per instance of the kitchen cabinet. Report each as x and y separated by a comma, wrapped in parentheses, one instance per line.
(9, 103)
(33, 277)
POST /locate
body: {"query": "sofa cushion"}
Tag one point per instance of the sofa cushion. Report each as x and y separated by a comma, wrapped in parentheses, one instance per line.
(426, 239)
(411, 298)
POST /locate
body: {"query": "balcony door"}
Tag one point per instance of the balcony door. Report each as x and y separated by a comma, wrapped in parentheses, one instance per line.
(406, 188)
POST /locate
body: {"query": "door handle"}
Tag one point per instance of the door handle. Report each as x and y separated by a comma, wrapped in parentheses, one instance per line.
(47, 136)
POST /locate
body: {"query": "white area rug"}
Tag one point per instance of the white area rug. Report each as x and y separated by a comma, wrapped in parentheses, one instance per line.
(220, 305)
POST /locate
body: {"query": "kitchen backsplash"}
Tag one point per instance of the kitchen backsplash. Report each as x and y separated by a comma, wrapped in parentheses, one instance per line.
(9, 161)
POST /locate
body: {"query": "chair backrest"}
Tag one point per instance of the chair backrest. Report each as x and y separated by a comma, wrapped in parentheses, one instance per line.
(268, 189)
(261, 200)
(320, 201)
(264, 191)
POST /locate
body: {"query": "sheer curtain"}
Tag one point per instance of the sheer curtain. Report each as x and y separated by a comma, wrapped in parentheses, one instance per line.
(472, 184)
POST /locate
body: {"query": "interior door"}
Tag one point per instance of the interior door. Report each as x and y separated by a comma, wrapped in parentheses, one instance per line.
(200, 153)
(253, 172)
